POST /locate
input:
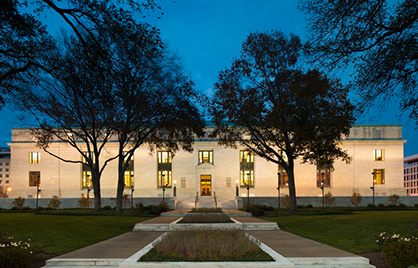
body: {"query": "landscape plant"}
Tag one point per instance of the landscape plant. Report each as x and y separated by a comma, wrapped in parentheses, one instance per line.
(15, 254)
(393, 200)
(205, 245)
(399, 252)
(328, 199)
(356, 199)
(19, 202)
(84, 202)
(54, 203)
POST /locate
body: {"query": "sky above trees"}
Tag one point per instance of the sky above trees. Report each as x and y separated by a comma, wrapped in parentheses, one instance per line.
(208, 34)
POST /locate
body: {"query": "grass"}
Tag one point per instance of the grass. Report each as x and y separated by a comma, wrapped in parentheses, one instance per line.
(353, 232)
(57, 235)
(206, 245)
(206, 218)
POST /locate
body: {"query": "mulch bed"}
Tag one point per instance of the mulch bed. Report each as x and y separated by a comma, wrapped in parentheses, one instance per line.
(376, 259)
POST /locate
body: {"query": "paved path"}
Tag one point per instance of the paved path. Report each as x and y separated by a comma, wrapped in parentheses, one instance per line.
(122, 246)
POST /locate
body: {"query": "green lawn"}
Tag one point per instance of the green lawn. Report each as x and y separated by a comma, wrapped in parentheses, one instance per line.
(61, 234)
(353, 232)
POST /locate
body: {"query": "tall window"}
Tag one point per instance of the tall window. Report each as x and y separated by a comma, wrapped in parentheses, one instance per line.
(379, 176)
(34, 178)
(164, 169)
(246, 168)
(247, 178)
(86, 181)
(129, 172)
(282, 177)
(34, 157)
(379, 155)
(206, 156)
(323, 176)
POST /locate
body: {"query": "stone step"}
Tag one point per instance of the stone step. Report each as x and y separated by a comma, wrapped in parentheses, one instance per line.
(331, 262)
(79, 263)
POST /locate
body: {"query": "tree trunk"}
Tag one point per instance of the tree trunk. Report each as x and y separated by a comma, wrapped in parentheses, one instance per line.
(96, 187)
(121, 184)
(292, 188)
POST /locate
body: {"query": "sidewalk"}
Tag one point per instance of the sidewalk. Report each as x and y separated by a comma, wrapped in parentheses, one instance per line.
(301, 251)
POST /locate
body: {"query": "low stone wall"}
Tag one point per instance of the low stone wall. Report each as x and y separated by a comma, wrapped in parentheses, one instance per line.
(340, 201)
(6, 203)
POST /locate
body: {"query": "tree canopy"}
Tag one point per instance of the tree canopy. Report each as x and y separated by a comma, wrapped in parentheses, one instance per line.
(377, 37)
(269, 103)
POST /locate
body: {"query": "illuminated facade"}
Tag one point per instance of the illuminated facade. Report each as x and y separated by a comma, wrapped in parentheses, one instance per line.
(376, 152)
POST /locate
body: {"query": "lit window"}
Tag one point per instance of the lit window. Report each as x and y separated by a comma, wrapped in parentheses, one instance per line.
(34, 178)
(7, 181)
(34, 157)
(205, 157)
(164, 157)
(379, 155)
(86, 180)
(283, 177)
(379, 176)
(129, 178)
(323, 175)
(164, 169)
(246, 156)
(247, 178)
(164, 178)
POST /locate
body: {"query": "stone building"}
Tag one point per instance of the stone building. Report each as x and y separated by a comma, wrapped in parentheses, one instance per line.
(376, 152)
(411, 175)
(4, 172)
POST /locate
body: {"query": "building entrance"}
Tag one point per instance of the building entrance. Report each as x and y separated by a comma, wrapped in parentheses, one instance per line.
(205, 185)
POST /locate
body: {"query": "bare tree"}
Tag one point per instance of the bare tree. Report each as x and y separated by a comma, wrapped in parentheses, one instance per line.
(266, 102)
(376, 37)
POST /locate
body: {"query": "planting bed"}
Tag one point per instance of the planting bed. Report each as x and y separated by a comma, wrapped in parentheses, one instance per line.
(206, 218)
(206, 244)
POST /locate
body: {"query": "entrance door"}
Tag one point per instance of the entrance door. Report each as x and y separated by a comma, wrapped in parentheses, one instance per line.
(205, 185)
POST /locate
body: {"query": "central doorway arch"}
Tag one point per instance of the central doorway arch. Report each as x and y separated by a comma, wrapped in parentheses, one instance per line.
(205, 185)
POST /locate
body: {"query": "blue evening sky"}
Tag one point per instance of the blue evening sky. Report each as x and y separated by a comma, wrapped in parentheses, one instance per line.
(208, 34)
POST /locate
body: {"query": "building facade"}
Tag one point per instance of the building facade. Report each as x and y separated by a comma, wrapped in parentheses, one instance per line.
(5, 183)
(411, 175)
(376, 153)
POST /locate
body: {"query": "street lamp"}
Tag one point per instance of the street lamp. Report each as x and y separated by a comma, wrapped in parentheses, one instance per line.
(38, 190)
(8, 190)
(322, 188)
(174, 188)
(278, 189)
(374, 182)
(236, 189)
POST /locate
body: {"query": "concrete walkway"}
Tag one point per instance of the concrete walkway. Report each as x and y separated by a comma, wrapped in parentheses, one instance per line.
(301, 251)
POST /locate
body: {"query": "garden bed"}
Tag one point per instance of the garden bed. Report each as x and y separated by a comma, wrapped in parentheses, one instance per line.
(203, 245)
(206, 218)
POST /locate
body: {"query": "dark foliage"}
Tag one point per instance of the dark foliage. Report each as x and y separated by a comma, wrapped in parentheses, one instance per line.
(268, 103)
(378, 37)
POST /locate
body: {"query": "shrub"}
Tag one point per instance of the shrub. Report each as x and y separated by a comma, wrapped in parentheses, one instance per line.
(84, 202)
(157, 210)
(54, 203)
(380, 206)
(207, 210)
(107, 208)
(401, 254)
(328, 199)
(15, 254)
(305, 206)
(371, 206)
(253, 209)
(394, 200)
(416, 205)
(285, 201)
(19, 202)
(402, 205)
(356, 199)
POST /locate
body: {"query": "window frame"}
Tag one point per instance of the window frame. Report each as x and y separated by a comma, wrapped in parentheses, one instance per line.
(32, 159)
(244, 175)
(209, 157)
(379, 155)
(34, 178)
(376, 173)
